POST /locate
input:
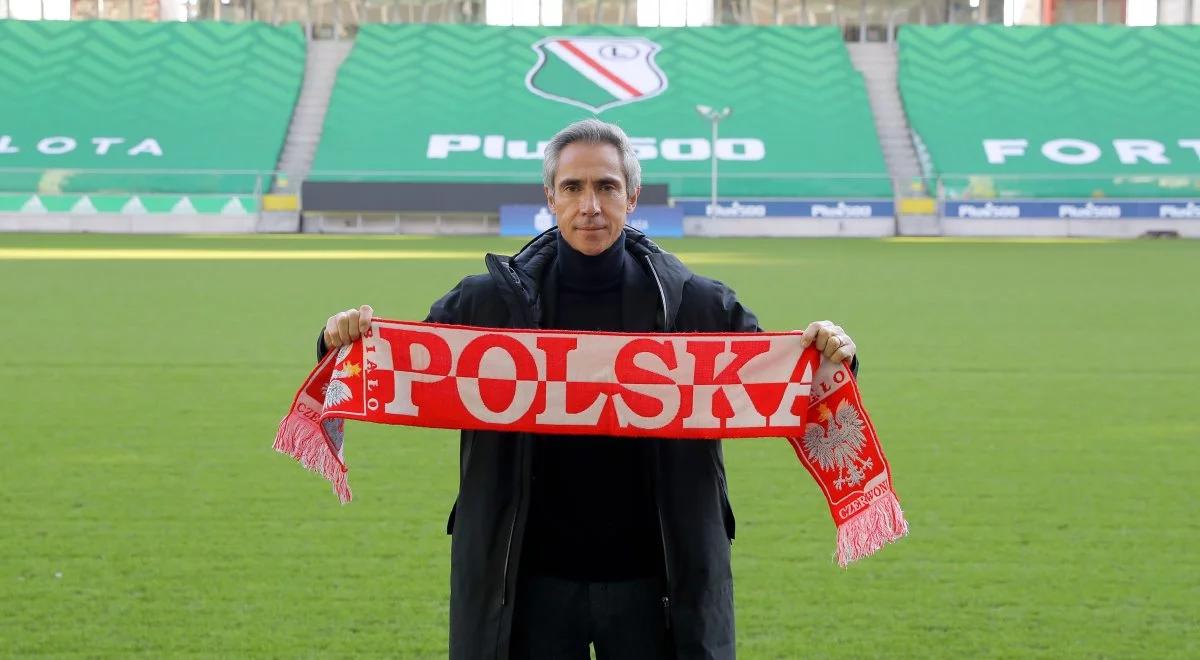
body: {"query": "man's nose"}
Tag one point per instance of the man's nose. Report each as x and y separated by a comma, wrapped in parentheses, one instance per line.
(589, 203)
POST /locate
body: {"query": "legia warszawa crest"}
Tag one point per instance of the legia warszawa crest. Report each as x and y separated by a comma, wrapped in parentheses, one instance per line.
(596, 73)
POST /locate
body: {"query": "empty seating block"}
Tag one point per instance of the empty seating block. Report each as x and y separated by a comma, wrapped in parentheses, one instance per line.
(1062, 111)
(474, 103)
(134, 107)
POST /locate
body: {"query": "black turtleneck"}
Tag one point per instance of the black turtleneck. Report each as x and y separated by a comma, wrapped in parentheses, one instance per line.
(592, 513)
(590, 274)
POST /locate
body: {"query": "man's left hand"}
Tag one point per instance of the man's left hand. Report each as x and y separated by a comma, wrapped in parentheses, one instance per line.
(830, 339)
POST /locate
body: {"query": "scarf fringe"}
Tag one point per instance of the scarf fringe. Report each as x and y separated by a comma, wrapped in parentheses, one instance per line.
(882, 522)
(302, 439)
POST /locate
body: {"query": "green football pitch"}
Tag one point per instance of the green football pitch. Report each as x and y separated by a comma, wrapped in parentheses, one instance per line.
(1039, 403)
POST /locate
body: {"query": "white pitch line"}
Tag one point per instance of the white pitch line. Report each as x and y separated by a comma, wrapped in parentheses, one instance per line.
(292, 237)
(189, 254)
(1031, 240)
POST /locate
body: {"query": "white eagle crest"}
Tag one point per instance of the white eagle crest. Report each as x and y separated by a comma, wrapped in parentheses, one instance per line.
(342, 353)
(837, 444)
(336, 392)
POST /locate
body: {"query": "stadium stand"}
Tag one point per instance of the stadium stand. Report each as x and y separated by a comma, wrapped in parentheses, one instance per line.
(1106, 110)
(129, 108)
(468, 103)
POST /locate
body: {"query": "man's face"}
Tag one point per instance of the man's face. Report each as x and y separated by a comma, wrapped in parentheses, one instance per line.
(589, 199)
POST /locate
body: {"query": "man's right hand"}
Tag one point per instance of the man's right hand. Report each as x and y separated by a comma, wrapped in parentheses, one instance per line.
(345, 327)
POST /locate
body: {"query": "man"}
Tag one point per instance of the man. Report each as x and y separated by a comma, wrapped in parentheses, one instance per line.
(562, 542)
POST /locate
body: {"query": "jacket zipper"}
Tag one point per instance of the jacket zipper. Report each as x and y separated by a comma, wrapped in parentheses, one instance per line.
(662, 295)
(508, 554)
(516, 283)
(662, 530)
(662, 535)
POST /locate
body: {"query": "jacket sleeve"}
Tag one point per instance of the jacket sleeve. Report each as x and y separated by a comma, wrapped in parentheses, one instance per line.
(448, 308)
(741, 319)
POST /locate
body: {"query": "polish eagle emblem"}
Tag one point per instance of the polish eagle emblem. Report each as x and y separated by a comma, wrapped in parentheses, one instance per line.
(337, 392)
(835, 444)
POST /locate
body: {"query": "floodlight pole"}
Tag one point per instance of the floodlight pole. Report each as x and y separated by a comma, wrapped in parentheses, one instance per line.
(712, 186)
(715, 116)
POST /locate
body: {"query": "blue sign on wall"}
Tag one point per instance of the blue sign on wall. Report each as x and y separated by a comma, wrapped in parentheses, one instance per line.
(835, 209)
(531, 219)
(1072, 209)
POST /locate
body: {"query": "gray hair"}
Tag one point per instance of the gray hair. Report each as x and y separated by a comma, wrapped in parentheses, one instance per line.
(593, 131)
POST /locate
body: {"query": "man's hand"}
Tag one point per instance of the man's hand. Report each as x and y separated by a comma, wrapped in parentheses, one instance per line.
(830, 339)
(345, 327)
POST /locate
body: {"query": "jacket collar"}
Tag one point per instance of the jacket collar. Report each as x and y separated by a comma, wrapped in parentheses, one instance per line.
(521, 276)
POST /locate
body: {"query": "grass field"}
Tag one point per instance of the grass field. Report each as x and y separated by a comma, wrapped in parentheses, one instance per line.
(1038, 403)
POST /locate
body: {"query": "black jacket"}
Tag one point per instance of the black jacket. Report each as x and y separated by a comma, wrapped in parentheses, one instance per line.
(489, 517)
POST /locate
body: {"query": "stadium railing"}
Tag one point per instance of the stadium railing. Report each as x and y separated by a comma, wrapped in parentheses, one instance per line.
(237, 191)
(1059, 186)
(34, 190)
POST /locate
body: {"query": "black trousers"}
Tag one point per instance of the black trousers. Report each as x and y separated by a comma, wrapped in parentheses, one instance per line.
(557, 619)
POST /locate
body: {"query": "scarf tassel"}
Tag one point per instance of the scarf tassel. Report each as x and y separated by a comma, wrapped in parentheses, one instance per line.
(303, 440)
(880, 523)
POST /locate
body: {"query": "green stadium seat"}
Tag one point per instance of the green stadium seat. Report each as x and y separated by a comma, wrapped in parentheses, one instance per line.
(464, 103)
(1061, 111)
(137, 107)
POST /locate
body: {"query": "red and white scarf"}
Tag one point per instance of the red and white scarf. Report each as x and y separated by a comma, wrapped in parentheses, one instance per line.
(685, 386)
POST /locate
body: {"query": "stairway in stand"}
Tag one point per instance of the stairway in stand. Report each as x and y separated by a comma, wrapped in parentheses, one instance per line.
(308, 119)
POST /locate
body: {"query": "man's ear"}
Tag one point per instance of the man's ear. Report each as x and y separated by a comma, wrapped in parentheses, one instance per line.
(549, 198)
(631, 203)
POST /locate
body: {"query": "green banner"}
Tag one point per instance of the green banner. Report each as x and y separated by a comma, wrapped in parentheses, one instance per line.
(85, 106)
(1072, 110)
(476, 103)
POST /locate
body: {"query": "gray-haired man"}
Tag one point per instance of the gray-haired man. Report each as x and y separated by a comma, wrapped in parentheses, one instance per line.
(564, 542)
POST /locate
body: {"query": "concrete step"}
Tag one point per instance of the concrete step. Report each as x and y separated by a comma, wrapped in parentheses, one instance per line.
(324, 58)
(877, 64)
